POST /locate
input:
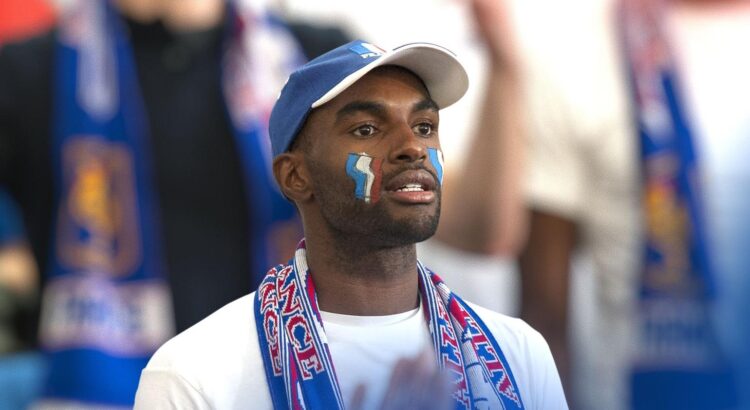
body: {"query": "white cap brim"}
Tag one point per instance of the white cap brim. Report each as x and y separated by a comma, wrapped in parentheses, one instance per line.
(443, 75)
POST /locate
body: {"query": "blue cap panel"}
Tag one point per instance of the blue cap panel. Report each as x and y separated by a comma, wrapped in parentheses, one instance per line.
(309, 83)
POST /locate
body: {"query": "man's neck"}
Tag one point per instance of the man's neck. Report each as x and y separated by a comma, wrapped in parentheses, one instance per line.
(366, 281)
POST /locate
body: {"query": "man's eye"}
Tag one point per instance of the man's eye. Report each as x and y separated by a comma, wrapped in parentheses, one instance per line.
(364, 130)
(424, 129)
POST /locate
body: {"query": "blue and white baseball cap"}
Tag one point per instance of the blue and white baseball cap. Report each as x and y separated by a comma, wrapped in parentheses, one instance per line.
(327, 76)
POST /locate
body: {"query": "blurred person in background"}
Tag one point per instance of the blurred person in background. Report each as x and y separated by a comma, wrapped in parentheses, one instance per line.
(20, 370)
(636, 159)
(484, 209)
(132, 139)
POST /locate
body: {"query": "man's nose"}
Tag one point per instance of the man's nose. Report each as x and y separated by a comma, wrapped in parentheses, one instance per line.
(407, 146)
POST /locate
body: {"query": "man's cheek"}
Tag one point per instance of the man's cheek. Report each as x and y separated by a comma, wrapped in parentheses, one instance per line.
(366, 172)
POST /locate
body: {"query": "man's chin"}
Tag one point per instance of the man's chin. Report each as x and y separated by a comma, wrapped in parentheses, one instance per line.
(409, 231)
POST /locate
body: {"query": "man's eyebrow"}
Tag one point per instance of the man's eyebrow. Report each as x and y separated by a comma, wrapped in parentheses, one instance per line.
(378, 109)
(353, 107)
(426, 104)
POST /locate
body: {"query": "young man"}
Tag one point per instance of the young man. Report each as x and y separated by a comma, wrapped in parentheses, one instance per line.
(355, 140)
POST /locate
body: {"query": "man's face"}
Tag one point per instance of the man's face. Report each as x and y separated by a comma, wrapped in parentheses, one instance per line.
(368, 155)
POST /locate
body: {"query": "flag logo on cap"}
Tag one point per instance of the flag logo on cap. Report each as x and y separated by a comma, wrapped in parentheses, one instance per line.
(367, 50)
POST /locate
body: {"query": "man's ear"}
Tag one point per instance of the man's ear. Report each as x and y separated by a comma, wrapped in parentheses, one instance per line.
(291, 174)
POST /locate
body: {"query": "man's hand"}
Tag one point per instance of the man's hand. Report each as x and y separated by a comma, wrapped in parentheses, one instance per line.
(18, 270)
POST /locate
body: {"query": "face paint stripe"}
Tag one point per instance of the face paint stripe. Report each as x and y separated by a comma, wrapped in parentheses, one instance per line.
(358, 177)
(436, 158)
(366, 173)
(363, 166)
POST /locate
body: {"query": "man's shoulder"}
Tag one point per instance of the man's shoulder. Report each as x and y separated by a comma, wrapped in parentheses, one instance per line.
(523, 345)
(227, 331)
(214, 364)
(223, 344)
(504, 325)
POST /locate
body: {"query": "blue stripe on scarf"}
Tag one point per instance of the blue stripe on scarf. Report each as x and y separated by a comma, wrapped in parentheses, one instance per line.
(275, 384)
(319, 389)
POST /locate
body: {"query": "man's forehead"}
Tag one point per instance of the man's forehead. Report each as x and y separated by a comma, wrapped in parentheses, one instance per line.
(392, 73)
(366, 95)
(372, 87)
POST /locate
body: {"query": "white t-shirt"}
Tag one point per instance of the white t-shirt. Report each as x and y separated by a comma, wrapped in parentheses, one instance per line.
(373, 344)
(217, 363)
(583, 164)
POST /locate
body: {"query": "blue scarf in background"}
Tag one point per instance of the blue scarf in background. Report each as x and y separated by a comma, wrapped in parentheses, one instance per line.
(298, 364)
(107, 305)
(679, 363)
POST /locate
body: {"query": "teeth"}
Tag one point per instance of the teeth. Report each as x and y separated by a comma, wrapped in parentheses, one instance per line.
(410, 188)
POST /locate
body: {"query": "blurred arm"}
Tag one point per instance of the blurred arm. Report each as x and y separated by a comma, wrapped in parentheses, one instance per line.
(483, 209)
(545, 273)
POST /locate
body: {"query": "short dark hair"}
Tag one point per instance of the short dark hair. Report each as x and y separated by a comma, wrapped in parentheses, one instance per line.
(301, 142)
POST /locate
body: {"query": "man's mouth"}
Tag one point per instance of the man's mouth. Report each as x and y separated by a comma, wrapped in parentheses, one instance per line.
(416, 186)
(412, 187)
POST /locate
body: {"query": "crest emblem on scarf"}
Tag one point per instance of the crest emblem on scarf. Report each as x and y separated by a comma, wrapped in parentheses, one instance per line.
(98, 230)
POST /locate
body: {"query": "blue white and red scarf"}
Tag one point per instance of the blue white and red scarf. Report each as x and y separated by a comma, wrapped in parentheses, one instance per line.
(107, 305)
(298, 364)
(679, 363)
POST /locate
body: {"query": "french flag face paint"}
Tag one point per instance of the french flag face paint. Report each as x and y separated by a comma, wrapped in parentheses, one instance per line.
(366, 172)
(436, 159)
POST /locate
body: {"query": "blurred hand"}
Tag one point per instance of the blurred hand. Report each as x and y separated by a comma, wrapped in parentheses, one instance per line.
(493, 22)
(18, 270)
(416, 383)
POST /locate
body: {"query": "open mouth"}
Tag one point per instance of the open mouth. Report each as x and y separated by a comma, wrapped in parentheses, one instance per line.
(412, 187)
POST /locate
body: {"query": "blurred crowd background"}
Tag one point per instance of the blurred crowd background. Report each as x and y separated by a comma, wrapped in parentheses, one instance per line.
(597, 182)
